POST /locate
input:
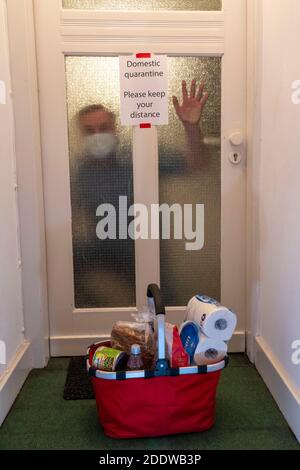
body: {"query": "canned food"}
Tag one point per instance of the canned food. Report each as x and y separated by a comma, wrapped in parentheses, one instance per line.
(109, 359)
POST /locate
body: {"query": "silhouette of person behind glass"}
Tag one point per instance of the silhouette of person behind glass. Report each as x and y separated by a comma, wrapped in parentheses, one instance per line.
(101, 178)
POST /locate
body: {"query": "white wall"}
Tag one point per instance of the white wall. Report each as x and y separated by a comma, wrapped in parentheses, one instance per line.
(280, 182)
(11, 316)
(279, 206)
(21, 34)
(15, 354)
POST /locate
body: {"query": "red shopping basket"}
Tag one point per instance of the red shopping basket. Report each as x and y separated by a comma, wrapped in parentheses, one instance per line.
(158, 402)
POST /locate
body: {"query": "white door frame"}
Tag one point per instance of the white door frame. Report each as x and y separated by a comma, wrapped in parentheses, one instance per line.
(33, 235)
(254, 80)
(92, 32)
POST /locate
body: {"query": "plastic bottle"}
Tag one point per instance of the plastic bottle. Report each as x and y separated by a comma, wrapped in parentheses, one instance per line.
(135, 361)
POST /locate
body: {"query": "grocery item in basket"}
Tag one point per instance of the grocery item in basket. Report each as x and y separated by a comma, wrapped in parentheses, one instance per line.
(125, 334)
(176, 353)
(215, 320)
(145, 315)
(135, 361)
(189, 335)
(209, 351)
(201, 349)
(109, 359)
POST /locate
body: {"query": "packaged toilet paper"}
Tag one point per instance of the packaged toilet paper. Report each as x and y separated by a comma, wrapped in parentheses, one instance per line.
(189, 335)
(201, 349)
(209, 351)
(215, 321)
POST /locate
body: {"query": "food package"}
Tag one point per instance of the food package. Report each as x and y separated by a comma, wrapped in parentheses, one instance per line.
(175, 351)
(124, 334)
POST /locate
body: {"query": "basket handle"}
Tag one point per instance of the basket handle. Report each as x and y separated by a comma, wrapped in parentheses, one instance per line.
(154, 296)
(154, 293)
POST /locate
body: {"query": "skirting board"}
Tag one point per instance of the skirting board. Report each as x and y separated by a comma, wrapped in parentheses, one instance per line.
(284, 392)
(77, 345)
(13, 378)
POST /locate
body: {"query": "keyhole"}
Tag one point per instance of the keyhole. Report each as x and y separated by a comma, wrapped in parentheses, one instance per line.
(235, 157)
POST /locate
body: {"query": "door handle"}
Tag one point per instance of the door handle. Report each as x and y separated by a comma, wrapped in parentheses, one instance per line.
(236, 138)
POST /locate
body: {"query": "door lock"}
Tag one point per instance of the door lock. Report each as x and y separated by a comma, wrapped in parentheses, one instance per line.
(235, 158)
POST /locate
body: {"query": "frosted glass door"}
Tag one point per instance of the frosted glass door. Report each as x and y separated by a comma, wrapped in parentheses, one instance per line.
(104, 270)
(94, 282)
(184, 272)
(204, 5)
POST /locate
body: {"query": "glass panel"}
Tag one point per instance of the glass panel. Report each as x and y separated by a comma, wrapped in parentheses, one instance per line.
(101, 171)
(205, 5)
(190, 173)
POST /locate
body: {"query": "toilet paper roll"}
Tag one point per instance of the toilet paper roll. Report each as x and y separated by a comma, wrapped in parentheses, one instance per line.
(215, 321)
(209, 351)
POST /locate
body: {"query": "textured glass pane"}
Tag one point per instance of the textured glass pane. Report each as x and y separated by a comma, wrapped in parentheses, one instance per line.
(144, 4)
(192, 177)
(101, 171)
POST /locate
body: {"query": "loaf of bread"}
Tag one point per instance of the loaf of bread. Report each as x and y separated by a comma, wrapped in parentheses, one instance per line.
(125, 334)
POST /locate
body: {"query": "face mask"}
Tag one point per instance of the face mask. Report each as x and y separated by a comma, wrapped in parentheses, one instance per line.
(100, 146)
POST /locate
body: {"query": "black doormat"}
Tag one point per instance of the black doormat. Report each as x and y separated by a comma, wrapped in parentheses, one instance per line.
(78, 384)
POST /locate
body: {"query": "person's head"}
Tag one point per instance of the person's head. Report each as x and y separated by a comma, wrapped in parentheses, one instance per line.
(98, 128)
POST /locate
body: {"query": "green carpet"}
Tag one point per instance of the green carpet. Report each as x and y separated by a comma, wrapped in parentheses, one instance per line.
(247, 417)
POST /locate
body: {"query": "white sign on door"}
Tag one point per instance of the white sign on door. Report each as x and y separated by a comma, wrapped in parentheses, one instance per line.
(144, 89)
